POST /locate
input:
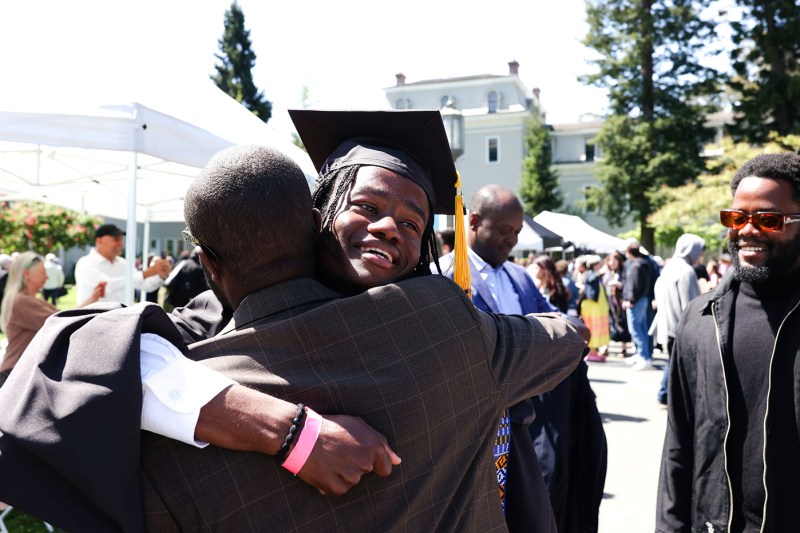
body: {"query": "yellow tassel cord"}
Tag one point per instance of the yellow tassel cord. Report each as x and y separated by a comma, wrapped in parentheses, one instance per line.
(461, 261)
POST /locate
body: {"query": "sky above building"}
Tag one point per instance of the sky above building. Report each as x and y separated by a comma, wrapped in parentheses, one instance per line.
(343, 53)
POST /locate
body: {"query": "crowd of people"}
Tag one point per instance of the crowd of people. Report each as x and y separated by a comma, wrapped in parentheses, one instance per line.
(617, 297)
(99, 277)
(330, 353)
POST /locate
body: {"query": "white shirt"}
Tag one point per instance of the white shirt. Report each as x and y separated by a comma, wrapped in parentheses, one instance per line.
(174, 389)
(93, 268)
(497, 279)
(55, 275)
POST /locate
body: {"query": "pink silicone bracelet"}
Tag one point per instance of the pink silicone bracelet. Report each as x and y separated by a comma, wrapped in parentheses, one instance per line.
(308, 437)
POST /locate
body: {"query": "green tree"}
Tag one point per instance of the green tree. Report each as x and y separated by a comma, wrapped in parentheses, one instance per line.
(539, 191)
(659, 94)
(236, 60)
(44, 228)
(766, 69)
(694, 207)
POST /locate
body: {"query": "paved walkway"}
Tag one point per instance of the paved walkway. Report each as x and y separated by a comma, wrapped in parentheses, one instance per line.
(634, 422)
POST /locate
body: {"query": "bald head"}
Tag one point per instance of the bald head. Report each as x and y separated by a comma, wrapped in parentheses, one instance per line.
(495, 220)
(251, 205)
(493, 198)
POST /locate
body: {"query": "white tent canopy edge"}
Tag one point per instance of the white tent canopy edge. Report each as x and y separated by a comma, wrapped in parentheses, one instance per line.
(99, 153)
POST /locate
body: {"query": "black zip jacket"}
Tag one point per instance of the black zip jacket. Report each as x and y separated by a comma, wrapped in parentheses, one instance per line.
(694, 491)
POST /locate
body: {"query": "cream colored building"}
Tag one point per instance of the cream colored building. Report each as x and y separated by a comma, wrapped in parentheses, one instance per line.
(496, 110)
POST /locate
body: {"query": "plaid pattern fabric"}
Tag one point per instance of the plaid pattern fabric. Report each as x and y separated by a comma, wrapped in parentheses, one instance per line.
(416, 360)
(501, 446)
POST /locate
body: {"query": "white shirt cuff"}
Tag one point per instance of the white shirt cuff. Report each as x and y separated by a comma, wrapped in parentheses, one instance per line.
(174, 389)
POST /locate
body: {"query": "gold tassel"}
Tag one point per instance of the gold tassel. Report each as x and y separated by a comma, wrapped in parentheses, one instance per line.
(460, 259)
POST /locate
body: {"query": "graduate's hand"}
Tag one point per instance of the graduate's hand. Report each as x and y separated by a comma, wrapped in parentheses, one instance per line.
(347, 448)
(581, 327)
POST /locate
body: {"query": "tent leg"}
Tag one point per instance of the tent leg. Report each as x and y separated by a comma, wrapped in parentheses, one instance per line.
(130, 238)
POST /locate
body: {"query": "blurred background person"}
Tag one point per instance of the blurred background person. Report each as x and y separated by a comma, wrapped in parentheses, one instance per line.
(104, 263)
(712, 268)
(637, 303)
(614, 281)
(23, 314)
(675, 288)
(54, 286)
(5, 264)
(447, 239)
(594, 308)
(184, 282)
(562, 267)
(549, 282)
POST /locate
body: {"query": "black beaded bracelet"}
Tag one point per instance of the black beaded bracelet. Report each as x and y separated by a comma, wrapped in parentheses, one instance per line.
(296, 421)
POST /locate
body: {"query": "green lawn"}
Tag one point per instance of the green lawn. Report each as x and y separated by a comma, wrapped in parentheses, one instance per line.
(18, 522)
(68, 301)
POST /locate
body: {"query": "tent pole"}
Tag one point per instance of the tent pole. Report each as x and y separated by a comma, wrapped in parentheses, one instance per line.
(146, 239)
(130, 238)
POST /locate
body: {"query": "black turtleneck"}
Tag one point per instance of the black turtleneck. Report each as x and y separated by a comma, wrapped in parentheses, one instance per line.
(758, 314)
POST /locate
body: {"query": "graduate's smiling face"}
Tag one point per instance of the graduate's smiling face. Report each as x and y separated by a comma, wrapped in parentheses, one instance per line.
(376, 235)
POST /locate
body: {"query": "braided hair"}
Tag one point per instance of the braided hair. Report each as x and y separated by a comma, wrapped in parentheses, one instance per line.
(329, 191)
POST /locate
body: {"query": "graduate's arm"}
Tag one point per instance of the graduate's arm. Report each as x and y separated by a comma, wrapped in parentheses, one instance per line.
(187, 401)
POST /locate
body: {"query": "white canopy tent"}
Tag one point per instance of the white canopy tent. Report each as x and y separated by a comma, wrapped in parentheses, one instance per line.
(575, 230)
(528, 240)
(127, 152)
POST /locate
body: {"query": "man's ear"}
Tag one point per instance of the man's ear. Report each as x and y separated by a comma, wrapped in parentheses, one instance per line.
(317, 221)
(474, 220)
(214, 269)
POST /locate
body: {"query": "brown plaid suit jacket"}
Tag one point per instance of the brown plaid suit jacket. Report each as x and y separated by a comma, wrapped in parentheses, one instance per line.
(416, 360)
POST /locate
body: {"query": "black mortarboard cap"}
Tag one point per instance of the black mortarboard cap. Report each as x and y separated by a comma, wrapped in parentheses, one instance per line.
(412, 143)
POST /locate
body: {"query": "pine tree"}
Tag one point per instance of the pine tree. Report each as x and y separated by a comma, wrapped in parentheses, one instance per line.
(659, 94)
(236, 60)
(539, 191)
(767, 71)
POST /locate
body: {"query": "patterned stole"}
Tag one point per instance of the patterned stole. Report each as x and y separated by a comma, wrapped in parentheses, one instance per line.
(501, 446)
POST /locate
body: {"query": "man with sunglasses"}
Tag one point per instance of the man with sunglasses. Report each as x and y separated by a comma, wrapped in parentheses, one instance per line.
(731, 456)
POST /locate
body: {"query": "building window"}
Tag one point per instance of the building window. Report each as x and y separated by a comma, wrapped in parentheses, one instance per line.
(493, 149)
(588, 152)
(591, 150)
(491, 101)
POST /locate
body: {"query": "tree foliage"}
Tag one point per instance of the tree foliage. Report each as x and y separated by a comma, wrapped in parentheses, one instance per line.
(694, 207)
(766, 80)
(236, 60)
(44, 228)
(539, 191)
(659, 95)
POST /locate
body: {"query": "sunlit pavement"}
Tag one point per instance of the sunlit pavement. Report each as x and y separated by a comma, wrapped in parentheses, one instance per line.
(634, 423)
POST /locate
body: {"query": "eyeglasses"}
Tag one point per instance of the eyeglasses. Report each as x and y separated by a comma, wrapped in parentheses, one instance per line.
(763, 220)
(188, 237)
(33, 261)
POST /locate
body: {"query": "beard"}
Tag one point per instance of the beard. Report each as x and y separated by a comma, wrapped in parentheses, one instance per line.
(782, 259)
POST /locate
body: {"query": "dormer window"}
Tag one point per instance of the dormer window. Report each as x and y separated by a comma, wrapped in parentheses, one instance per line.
(443, 101)
(401, 103)
(492, 101)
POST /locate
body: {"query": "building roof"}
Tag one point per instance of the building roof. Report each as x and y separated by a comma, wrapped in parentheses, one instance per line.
(455, 79)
